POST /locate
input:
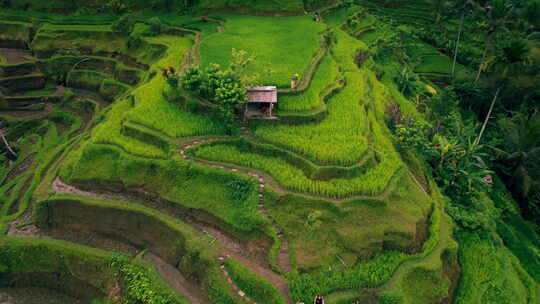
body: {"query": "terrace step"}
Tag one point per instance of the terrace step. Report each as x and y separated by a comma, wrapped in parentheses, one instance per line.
(35, 81)
(177, 281)
(8, 43)
(18, 100)
(18, 69)
(24, 107)
(16, 55)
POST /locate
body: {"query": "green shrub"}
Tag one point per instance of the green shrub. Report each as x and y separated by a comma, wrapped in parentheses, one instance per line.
(134, 42)
(124, 24)
(156, 26)
(140, 286)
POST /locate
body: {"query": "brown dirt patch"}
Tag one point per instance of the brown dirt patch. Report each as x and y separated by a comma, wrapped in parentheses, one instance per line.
(14, 56)
(177, 281)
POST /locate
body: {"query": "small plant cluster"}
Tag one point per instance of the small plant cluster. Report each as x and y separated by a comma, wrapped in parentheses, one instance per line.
(171, 76)
(140, 288)
(222, 87)
(117, 7)
(124, 24)
(156, 26)
(241, 189)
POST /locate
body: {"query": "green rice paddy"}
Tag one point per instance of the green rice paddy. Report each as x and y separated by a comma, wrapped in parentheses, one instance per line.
(321, 200)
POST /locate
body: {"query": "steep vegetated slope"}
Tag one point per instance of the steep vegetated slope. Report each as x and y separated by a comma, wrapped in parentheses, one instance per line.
(128, 187)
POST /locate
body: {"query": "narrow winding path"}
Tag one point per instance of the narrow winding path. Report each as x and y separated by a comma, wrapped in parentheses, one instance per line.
(177, 281)
(283, 254)
(270, 181)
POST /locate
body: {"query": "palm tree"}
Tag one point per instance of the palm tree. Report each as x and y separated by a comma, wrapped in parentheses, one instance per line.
(406, 82)
(460, 166)
(521, 151)
(439, 9)
(497, 17)
(463, 7)
(531, 15)
(513, 59)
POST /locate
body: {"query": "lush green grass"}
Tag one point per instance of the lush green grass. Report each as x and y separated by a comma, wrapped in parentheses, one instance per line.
(166, 116)
(439, 64)
(325, 75)
(321, 142)
(51, 38)
(47, 255)
(321, 233)
(283, 45)
(44, 139)
(520, 238)
(363, 275)
(71, 39)
(354, 113)
(336, 17)
(419, 49)
(188, 22)
(294, 178)
(416, 280)
(491, 274)
(176, 180)
(255, 287)
(254, 5)
(109, 132)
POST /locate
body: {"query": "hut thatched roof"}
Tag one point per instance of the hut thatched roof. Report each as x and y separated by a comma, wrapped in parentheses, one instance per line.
(262, 94)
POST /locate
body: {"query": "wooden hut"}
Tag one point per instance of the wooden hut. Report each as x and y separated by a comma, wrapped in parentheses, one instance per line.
(261, 102)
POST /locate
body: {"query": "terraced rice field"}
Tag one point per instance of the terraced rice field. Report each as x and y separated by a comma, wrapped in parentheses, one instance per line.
(298, 37)
(120, 190)
(320, 142)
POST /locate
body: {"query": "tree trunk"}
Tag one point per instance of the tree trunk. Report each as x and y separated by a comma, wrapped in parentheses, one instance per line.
(481, 63)
(7, 143)
(457, 44)
(477, 141)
